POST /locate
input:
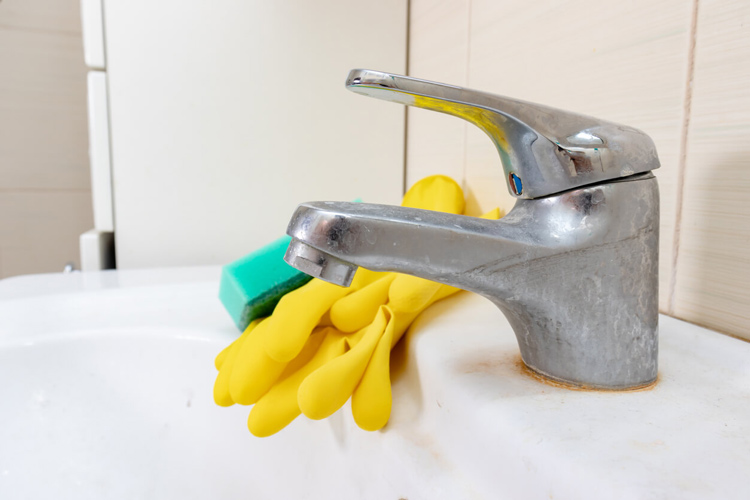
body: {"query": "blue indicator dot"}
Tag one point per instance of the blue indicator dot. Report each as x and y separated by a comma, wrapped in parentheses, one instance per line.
(515, 184)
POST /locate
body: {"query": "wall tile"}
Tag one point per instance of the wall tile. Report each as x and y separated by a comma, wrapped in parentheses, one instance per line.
(59, 16)
(208, 170)
(713, 267)
(45, 202)
(43, 134)
(39, 230)
(626, 62)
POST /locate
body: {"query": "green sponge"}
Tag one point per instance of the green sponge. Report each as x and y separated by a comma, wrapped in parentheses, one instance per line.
(251, 286)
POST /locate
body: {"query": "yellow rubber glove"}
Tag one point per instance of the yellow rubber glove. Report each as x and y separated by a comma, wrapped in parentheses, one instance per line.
(363, 373)
(359, 368)
(299, 311)
(279, 406)
(371, 400)
(225, 363)
(261, 356)
(294, 318)
(281, 366)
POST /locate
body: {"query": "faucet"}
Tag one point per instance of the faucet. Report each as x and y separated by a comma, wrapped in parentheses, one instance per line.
(573, 266)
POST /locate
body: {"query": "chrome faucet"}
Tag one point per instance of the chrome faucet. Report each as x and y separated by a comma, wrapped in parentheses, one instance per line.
(573, 266)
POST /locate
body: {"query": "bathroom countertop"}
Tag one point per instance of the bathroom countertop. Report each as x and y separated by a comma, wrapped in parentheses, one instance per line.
(688, 436)
(111, 377)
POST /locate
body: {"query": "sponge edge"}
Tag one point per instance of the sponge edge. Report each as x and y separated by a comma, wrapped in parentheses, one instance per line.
(252, 285)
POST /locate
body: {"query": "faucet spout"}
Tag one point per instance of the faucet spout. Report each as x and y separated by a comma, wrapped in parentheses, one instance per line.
(574, 273)
(433, 245)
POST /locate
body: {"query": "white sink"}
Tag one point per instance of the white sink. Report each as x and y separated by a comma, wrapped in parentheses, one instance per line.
(106, 393)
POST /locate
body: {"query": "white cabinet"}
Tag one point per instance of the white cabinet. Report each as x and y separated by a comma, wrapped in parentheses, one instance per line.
(225, 115)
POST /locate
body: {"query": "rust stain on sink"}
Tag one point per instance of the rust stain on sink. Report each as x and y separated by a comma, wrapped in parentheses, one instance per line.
(504, 363)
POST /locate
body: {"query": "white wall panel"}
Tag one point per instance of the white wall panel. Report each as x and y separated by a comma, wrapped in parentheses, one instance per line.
(226, 115)
(99, 151)
(92, 24)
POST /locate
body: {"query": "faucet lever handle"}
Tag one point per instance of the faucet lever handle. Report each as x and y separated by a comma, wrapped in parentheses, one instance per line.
(543, 150)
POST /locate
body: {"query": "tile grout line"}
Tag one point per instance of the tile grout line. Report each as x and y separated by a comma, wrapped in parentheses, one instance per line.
(110, 139)
(43, 31)
(407, 71)
(682, 158)
(464, 181)
(43, 190)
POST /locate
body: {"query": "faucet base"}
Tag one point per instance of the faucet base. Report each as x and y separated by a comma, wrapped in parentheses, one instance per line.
(563, 384)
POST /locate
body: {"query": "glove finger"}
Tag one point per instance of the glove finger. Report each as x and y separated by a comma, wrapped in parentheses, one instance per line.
(371, 401)
(254, 371)
(325, 320)
(437, 192)
(296, 315)
(410, 293)
(495, 213)
(222, 356)
(222, 397)
(279, 407)
(327, 389)
(299, 311)
(356, 310)
(443, 292)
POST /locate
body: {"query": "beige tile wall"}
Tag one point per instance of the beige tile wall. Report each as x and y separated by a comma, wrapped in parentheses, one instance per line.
(712, 285)
(629, 62)
(45, 198)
